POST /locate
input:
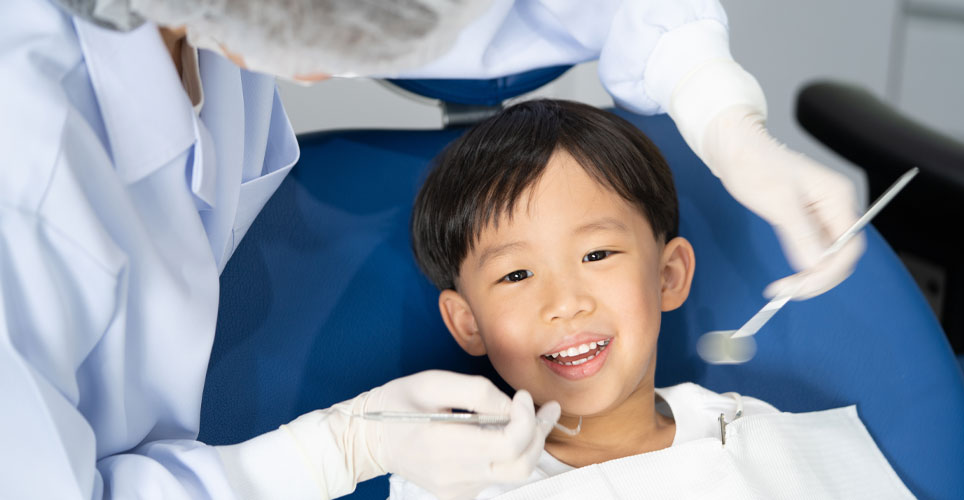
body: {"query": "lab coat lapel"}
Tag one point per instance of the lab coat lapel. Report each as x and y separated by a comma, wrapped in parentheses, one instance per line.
(274, 161)
(253, 144)
(223, 121)
(147, 115)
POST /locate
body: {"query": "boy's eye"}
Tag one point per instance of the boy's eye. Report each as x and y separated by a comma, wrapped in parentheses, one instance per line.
(515, 276)
(597, 255)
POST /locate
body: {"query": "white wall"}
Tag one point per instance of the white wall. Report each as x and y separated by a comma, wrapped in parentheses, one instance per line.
(929, 64)
(910, 52)
(364, 103)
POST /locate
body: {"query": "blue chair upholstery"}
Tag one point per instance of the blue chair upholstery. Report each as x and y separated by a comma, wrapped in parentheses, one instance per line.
(322, 300)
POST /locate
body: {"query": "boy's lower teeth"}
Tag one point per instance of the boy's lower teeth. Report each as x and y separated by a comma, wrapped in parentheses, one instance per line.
(578, 361)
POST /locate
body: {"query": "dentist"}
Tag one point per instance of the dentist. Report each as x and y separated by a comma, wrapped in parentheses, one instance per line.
(134, 163)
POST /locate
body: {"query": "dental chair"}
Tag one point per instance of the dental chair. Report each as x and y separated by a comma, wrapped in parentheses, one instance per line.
(323, 300)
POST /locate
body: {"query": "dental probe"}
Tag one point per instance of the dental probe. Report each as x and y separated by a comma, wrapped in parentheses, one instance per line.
(734, 347)
(461, 418)
(456, 418)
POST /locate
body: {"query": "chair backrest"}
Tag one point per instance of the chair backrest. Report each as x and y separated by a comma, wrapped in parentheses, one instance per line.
(489, 92)
(322, 300)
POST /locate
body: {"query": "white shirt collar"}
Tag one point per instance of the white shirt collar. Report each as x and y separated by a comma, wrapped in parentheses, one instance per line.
(147, 114)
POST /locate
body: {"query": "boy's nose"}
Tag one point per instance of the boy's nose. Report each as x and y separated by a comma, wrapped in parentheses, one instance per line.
(566, 299)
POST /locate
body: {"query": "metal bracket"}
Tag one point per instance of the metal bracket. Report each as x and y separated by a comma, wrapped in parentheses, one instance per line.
(722, 429)
(724, 423)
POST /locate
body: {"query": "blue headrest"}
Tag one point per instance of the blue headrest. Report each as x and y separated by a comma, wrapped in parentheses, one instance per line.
(322, 300)
(489, 92)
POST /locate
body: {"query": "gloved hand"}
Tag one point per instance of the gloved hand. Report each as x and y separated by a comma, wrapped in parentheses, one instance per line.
(454, 460)
(326, 452)
(721, 112)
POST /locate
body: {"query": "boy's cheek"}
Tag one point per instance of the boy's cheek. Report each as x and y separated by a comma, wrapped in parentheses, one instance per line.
(506, 354)
(514, 362)
(631, 292)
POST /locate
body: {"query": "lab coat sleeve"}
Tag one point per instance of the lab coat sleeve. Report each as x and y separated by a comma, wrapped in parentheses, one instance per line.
(321, 454)
(72, 425)
(653, 45)
(644, 47)
(53, 314)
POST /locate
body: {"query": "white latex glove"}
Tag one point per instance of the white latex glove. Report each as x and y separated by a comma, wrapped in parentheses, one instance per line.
(721, 112)
(323, 454)
(455, 460)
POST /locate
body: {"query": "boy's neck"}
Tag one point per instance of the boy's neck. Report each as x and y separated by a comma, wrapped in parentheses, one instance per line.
(632, 428)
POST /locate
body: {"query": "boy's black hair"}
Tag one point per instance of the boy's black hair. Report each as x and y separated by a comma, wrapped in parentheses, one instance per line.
(479, 177)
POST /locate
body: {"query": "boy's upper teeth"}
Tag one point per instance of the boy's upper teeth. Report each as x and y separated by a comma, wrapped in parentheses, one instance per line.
(580, 349)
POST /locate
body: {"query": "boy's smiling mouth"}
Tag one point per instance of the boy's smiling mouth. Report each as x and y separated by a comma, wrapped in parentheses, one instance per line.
(577, 355)
(579, 358)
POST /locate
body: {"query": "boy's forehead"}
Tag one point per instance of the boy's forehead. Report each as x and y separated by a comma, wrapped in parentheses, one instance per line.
(564, 185)
(563, 199)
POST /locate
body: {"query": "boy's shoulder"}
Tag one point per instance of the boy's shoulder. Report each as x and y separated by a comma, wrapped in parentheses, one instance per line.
(696, 396)
(697, 409)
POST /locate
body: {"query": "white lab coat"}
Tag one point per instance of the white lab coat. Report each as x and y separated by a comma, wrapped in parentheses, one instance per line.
(119, 207)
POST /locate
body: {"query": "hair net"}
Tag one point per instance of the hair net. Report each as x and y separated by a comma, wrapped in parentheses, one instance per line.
(292, 37)
(113, 14)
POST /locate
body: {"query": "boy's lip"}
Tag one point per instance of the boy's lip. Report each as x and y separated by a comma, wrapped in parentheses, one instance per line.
(575, 341)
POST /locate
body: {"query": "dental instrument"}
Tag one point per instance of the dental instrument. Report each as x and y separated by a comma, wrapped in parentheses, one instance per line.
(480, 419)
(738, 346)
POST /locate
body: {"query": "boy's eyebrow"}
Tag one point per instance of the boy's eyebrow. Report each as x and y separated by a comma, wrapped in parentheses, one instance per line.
(604, 224)
(497, 250)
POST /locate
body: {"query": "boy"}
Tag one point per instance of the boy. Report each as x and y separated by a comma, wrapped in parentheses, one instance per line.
(551, 229)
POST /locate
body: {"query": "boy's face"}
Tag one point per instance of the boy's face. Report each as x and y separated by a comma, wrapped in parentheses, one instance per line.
(576, 267)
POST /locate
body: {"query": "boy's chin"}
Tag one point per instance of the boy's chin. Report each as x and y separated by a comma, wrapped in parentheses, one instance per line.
(593, 403)
(585, 406)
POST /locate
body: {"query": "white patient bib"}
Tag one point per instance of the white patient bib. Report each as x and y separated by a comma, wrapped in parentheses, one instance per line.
(824, 454)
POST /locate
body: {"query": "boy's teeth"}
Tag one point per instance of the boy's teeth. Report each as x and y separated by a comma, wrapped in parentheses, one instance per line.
(577, 350)
(578, 361)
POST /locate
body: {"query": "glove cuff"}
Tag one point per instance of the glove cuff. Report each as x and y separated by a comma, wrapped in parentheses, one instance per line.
(325, 451)
(679, 53)
(702, 96)
(269, 466)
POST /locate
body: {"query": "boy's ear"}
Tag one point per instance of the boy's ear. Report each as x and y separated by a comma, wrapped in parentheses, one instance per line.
(460, 321)
(676, 273)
